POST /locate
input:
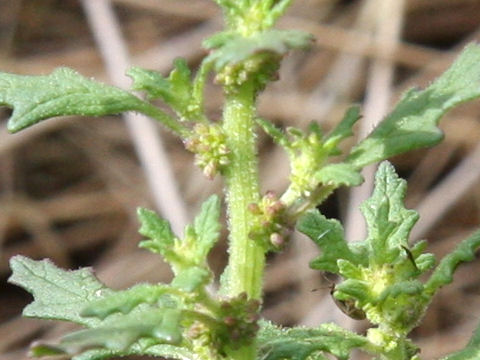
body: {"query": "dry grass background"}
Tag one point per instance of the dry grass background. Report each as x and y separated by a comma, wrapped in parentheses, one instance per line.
(69, 187)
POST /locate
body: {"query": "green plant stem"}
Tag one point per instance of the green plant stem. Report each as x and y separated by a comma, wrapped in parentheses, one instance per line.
(170, 122)
(297, 205)
(246, 258)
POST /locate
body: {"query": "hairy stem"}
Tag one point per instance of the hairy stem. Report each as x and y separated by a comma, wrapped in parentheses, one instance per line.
(170, 122)
(247, 259)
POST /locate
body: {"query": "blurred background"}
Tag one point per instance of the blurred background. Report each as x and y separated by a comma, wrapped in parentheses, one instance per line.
(69, 187)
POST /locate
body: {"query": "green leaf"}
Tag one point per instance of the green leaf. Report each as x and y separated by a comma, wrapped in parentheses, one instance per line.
(63, 92)
(161, 238)
(277, 135)
(207, 227)
(40, 349)
(120, 332)
(302, 343)
(58, 294)
(348, 270)
(199, 238)
(443, 273)
(97, 354)
(233, 48)
(176, 91)
(191, 279)
(352, 288)
(413, 122)
(471, 351)
(343, 130)
(329, 236)
(151, 82)
(340, 174)
(277, 10)
(126, 300)
(141, 347)
(388, 222)
(410, 287)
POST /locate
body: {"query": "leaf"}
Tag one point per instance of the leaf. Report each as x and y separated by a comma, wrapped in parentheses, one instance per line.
(343, 130)
(151, 82)
(329, 236)
(168, 352)
(300, 343)
(353, 288)
(191, 279)
(443, 273)
(39, 349)
(126, 300)
(413, 122)
(340, 174)
(277, 135)
(348, 270)
(97, 354)
(141, 347)
(58, 294)
(176, 90)
(234, 48)
(471, 351)
(388, 222)
(207, 227)
(161, 238)
(120, 332)
(63, 92)
(410, 287)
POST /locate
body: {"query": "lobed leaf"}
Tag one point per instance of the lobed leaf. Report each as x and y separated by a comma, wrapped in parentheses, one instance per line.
(161, 238)
(152, 82)
(177, 90)
(122, 331)
(343, 130)
(233, 48)
(198, 241)
(329, 236)
(207, 227)
(141, 347)
(126, 300)
(413, 122)
(388, 222)
(339, 174)
(63, 92)
(443, 273)
(300, 343)
(58, 294)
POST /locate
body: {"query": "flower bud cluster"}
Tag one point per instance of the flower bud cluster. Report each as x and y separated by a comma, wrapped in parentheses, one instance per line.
(208, 145)
(239, 317)
(263, 66)
(269, 217)
(307, 156)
